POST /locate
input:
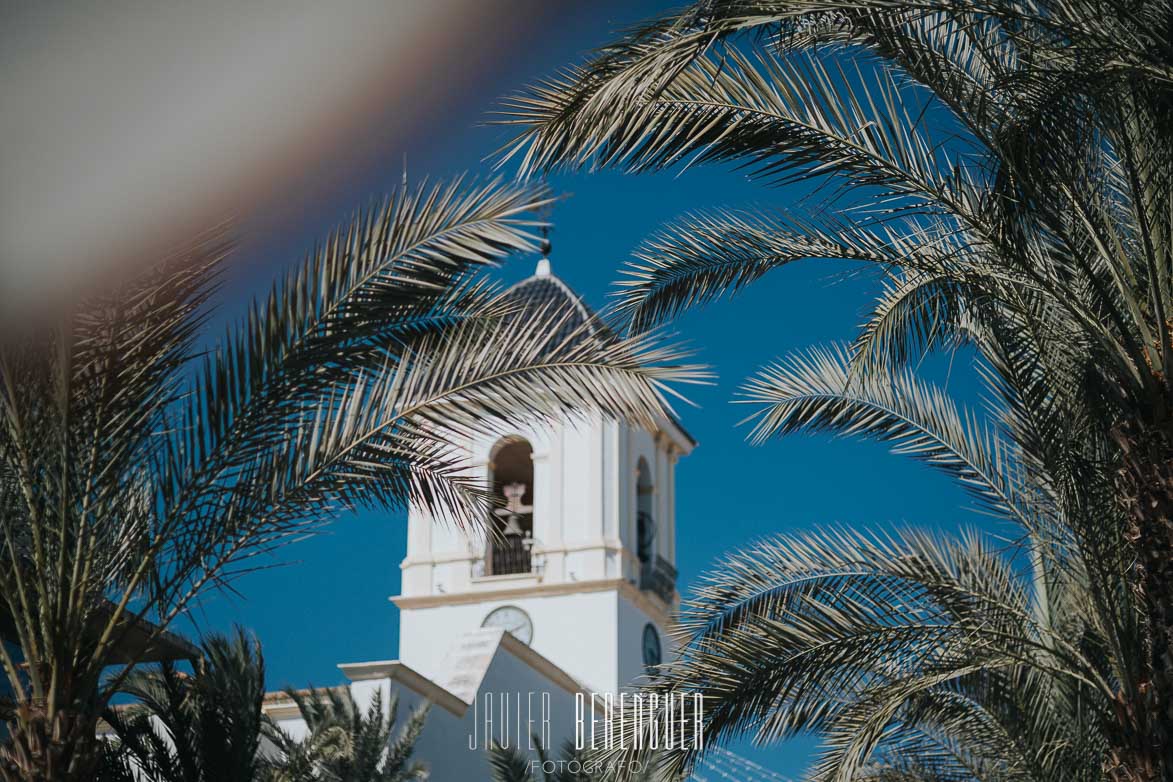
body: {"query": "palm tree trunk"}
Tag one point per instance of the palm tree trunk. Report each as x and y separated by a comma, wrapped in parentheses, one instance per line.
(44, 749)
(1146, 484)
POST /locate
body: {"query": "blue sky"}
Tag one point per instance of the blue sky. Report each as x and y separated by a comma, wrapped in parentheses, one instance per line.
(327, 601)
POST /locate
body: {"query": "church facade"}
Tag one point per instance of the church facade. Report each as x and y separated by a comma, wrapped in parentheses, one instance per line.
(572, 595)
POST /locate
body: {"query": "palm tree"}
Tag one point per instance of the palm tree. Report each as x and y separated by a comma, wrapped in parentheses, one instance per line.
(913, 657)
(919, 657)
(345, 743)
(1009, 167)
(202, 727)
(209, 727)
(143, 460)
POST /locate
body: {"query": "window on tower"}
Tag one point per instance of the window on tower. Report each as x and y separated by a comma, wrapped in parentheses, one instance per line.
(511, 475)
(645, 531)
(656, 574)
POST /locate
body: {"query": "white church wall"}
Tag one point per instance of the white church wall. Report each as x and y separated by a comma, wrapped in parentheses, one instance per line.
(444, 743)
(577, 630)
(454, 740)
(631, 623)
(509, 675)
(581, 480)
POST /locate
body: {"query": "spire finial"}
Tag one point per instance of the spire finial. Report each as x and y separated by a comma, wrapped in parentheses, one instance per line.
(543, 269)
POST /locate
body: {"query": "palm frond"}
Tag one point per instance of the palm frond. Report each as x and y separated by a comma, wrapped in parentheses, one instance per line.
(848, 634)
(137, 471)
(701, 257)
(508, 765)
(917, 313)
(1033, 224)
(784, 118)
(384, 439)
(195, 727)
(346, 742)
(374, 283)
(816, 391)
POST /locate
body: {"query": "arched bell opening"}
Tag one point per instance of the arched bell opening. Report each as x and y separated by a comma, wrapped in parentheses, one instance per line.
(511, 476)
(645, 521)
(656, 574)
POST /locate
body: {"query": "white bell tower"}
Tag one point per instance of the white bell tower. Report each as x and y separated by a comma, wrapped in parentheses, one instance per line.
(584, 571)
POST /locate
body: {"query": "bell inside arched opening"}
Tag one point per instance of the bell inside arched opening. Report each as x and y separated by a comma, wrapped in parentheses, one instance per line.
(511, 475)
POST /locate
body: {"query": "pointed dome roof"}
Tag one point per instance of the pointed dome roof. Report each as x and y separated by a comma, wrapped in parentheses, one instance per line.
(542, 292)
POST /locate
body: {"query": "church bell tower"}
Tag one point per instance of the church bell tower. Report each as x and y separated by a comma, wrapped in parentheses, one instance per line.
(583, 569)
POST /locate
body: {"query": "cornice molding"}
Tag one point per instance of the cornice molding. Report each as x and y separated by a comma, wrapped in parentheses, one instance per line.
(606, 545)
(646, 602)
(409, 678)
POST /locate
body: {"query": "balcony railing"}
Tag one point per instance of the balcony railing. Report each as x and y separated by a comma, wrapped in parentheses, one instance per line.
(509, 556)
(658, 576)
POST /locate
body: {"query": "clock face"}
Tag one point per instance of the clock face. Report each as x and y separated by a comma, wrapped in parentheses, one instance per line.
(652, 653)
(513, 620)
